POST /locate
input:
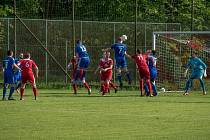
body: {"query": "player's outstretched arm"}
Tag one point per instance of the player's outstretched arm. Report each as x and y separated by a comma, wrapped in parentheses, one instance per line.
(97, 70)
(128, 56)
(14, 65)
(37, 72)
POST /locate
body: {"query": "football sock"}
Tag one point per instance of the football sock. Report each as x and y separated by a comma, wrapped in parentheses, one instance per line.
(35, 92)
(154, 89)
(11, 91)
(127, 74)
(149, 86)
(74, 88)
(202, 85)
(146, 90)
(21, 92)
(141, 82)
(188, 85)
(113, 85)
(4, 91)
(106, 87)
(119, 77)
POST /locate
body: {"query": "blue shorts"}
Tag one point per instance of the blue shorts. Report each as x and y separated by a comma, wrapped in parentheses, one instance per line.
(153, 73)
(120, 62)
(9, 79)
(84, 62)
(197, 74)
(17, 77)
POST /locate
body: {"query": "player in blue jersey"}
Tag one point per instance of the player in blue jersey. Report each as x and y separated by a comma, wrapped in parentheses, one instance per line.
(83, 63)
(151, 61)
(120, 61)
(198, 68)
(17, 73)
(8, 69)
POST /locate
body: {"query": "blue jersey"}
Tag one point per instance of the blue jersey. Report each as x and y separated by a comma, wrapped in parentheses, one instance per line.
(152, 60)
(119, 49)
(8, 65)
(18, 72)
(196, 64)
(81, 51)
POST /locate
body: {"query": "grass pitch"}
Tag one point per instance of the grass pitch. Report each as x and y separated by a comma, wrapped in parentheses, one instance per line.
(57, 114)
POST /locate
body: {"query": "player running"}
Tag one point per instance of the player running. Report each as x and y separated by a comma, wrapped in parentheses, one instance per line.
(105, 67)
(83, 63)
(144, 74)
(198, 71)
(119, 54)
(27, 66)
(8, 67)
(151, 61)
(18, 73)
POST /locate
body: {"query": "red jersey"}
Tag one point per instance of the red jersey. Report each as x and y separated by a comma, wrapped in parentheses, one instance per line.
(26, 66)
(106, 64)
(140, 61)
(74, 63)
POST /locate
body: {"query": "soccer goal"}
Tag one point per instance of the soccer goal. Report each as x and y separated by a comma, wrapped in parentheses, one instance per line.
(174, 50)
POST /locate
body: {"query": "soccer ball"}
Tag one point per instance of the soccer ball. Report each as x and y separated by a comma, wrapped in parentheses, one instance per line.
(163, 90)
(124, 37)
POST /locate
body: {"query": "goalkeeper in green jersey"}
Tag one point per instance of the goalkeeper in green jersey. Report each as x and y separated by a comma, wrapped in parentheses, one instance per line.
(198, 68)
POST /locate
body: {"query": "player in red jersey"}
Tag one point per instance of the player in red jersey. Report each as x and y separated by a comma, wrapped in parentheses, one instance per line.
(143, 70)
(73, 62)
(27, 66)
(105, 66)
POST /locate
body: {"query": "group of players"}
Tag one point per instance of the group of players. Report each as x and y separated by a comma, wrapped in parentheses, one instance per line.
(146, 64)
(17, 72)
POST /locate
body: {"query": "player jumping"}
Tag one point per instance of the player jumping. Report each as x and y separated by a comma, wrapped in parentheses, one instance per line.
(119, 54)
(8, 67)
(83, 63)
(198, 71)
(27, 65)
(143, 71)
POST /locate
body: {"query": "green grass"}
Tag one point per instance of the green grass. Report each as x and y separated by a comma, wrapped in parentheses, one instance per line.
(60, 115)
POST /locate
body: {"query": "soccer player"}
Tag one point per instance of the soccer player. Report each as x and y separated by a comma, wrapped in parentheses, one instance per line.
(105, 66)
(143, 71)
(18, 73)
(151, 61)
(119, 54)
(198, 71)
(8, 67)
(73, 62)
(27, 66)
(83, 63)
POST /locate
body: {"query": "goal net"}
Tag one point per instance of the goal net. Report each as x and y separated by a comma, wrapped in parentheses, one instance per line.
(174, 50)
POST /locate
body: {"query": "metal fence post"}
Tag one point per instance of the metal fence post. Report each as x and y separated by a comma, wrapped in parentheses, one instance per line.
(8, 38)
(66, 55)
(46, 55)
(114, 36)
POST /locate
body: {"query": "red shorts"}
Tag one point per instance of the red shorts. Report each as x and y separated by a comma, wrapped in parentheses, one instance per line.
(144, 74)
(30, 78)
(106, 76)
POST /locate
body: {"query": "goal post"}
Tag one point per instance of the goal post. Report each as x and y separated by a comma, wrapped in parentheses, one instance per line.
(174, 49)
